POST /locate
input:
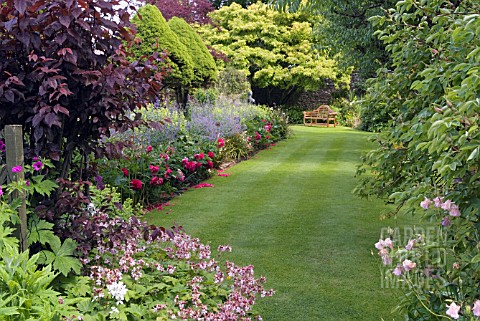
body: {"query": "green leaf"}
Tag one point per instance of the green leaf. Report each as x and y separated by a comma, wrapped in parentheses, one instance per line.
(42, 231)
(43, 187)
(64, 259)
(476, 259)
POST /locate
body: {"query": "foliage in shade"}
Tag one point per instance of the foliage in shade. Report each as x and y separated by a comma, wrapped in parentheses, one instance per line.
(191, 11)
(64, 73)
(345, 32)
(273, 48)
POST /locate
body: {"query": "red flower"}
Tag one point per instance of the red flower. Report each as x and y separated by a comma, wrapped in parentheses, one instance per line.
(258, 136)
(211, 155)
(209, 164)
(136, 184)
(156, 181)
(125, 171)
(199, 156)
(220, 142)
(149, 148)
(154, 168)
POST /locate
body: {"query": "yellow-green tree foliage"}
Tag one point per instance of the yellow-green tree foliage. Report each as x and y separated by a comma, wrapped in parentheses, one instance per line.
(156, 36)
(205, 69)
(274, 48)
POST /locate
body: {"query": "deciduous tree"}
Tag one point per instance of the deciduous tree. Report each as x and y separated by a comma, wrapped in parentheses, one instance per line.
(274, 49)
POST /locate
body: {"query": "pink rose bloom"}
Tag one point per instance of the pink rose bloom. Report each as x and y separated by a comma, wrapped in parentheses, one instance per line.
(149, 149)
(387, 260)
(446, 221)
(438, 201)
(453, 310)
(398, 270)
(425, 204)
(447, 205)
(476, 308)
(410, 244)
(454, 210)
(220, 143)
(154, 168)
(409, 265)
(211, 155)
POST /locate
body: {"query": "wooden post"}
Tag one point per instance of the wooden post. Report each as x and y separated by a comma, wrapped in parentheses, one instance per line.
(14, 153)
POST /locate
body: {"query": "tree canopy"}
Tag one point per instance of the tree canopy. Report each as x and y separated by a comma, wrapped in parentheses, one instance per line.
(273, 48)
(345, 32)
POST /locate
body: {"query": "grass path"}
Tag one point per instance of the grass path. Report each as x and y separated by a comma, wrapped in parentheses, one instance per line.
(290, 212)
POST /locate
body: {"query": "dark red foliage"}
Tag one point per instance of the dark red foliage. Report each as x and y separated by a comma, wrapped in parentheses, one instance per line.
(66, 73)
(192, 11)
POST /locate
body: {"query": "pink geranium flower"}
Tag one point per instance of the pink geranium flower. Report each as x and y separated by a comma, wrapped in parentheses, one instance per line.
(16, 169)
(37, 166)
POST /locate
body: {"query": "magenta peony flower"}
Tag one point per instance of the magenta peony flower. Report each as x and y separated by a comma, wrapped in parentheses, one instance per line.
(154, 168)
(136, 184)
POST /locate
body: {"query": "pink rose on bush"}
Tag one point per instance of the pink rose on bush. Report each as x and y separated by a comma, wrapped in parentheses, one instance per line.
(220, 143)
(453, 310)
(154, 168)
(199, 156)
(149, 149)
(211, 155)
(125, 171)
(136, 184)
(209, 164)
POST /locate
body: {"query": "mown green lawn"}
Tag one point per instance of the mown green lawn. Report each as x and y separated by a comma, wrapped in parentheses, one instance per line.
(291, 213)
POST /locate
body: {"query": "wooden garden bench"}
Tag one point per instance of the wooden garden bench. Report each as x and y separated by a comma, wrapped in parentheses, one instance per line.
(322, 116)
